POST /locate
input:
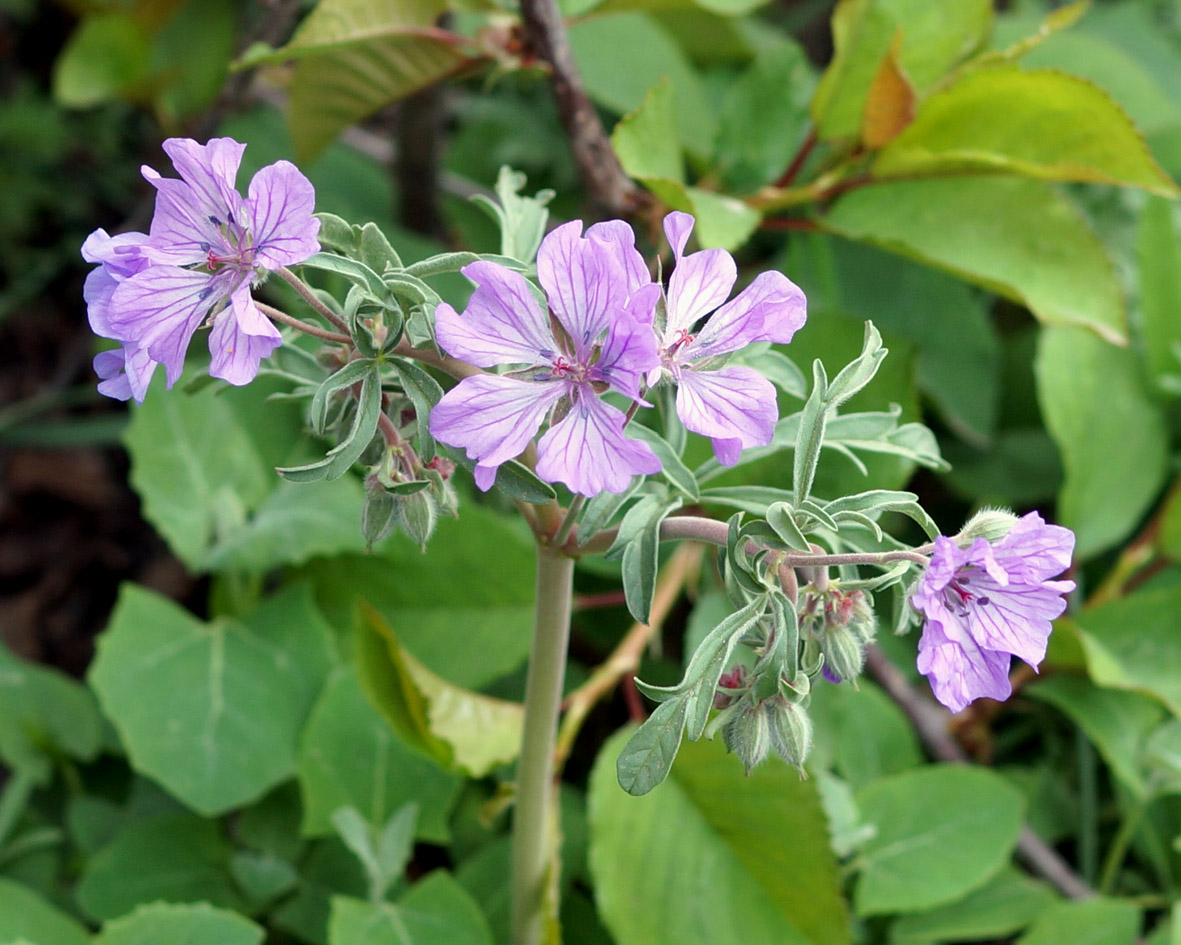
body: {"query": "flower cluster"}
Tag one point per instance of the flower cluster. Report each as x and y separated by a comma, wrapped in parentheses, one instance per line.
(989, 602)
(206, 248)
(603, 328)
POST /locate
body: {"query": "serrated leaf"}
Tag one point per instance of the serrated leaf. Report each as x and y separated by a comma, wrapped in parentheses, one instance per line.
(1017, 237)
(1042, 123)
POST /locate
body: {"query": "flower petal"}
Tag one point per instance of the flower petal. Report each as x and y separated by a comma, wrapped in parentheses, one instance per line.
(502, 324)
(1014, 618)
(588, 450)
(699, 284)
(124, 373)
(182, 232)
(771, 308)
(628, 353)
(959, 670)
(211, 172)
(241, 337)
(621, 238)
(160, 308)
(1033, 551)
(493, 418)
(584, 282)
(677, 227)
(280, 203)
(734, 403)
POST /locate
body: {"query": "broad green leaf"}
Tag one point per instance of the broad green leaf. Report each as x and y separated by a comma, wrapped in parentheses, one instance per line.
(436, 911)
(1007, 904)
(930, 853)
(198, 924)
(169, 857)
(196, 469)
(1116, 722)
(456, 727)
(211, 711)
(1019, 238)
(486, 555)
(1043, 124)
(1132, 643)
(349, 756)
(1158, 253)
(25, 915)
(865, 735)
(1092, 922)
(645, 140)
(934, 37)
(601, 43)
(43, 715)
(1111, 432)
(688, 865)
(104, 58)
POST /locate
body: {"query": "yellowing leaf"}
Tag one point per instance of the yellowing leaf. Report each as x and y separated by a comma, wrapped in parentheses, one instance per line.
(889, 105)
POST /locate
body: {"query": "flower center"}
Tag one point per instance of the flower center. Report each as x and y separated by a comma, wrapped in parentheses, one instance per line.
(958, 597)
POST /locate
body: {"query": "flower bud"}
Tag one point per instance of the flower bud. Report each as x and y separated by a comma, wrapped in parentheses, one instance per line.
(844, 653)
(379, 513)
(790, 732)
(732, 680)
(419, 515)
(748, 735)
(989, 524)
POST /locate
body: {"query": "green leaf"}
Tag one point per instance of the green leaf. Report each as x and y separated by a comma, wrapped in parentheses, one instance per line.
(1044, 124)
(424, 392)
(865, 735)
(1116, 722)
(1158, 253)
(689, 865)
(348, 756)
(44, 715)
(934, 37)
(1093, 922)
(518, 481)
(928, 854)
(1019, 238)
(104, 57)
(641, 559)
(645, 140)
(436, 911)
(1111, 433)
(454, 726)
(364, 426)
(522, 219)
(1132, 643)
(198, 924)
(1004, 906)
(211, 711)
(645, 760)
(25, 915)
(171, 857)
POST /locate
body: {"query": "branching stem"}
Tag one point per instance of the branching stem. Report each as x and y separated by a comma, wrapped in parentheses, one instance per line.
(305, 292)
(307, 329)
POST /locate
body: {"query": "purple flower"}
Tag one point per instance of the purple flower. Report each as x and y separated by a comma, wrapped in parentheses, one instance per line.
(594, 338)
(207, 247)
(734, 406)
(987, 603)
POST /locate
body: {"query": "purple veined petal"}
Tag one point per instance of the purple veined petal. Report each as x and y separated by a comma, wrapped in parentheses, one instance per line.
(726, 449)
(249, 316)
(628, 354)
(731, 403)
(502, 324)
(121, 254)
(280, 203)
(160, 308)
(1013, 619)
(588, 450)
(641, 306)
(182, 233)
(493, 418)
(1033, 551)
(700, 283)
(621, 238)
(959, 670)
(584, 282)
(677, 227)
(771, 308)
(124, 372)
(235, 353)
(211, 172)
(97, 291)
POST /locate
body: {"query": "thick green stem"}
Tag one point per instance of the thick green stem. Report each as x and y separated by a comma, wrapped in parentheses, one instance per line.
(533, 837)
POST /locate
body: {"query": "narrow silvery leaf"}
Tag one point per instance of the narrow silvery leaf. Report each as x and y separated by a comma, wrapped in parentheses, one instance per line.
(345, 377)
(783, 655)
(877, 501)
(634, 521)
(710, 661)
(810, 436)
(376, 251)
(410, 290)
(312, 472)
(641, 559)
(754, 499)
(781, 518)
(818, 512)
(360, 434)
(859, 372)
(352, 269)
(600, 511)
(780, 370)
(674, 470)
(518, 481)
(522, 219)
(648, 755)
(335, 233)
(453, 262)
(862, 520)
(424, 392)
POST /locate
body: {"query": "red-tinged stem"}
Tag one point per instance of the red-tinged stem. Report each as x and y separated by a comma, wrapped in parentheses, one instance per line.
(797, 162)
(307, 329)
(305, 292)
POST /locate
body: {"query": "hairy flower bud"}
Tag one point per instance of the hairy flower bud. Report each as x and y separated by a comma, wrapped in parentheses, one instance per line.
(989, 524)
(844, 653)
(790, 731)
(729, 685)
(748, 735)
(379, 513)
(419, 515)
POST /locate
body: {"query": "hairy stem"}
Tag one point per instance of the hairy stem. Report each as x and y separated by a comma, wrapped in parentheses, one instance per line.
(534, 840)
(307, 329)
(305, 292)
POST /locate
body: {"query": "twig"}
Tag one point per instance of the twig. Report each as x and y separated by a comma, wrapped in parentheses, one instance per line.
(307, 329)
(625, 658)
(599, 168)
(930, 722)
(797, 163)
(305, 292)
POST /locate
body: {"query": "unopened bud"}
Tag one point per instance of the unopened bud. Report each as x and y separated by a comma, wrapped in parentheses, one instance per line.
(419, 515)
(733, 680)
(790, 731)
(989, 524)
(844, 653)
(379, 513)
(748, 735)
